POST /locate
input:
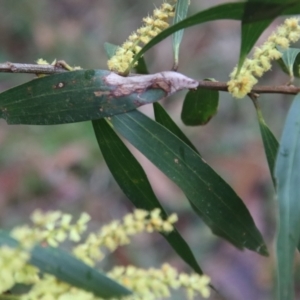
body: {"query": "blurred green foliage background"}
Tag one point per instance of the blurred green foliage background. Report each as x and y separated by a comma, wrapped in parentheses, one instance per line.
(61, 167)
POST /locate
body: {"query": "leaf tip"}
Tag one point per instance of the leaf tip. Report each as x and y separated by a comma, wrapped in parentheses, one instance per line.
(263, 250)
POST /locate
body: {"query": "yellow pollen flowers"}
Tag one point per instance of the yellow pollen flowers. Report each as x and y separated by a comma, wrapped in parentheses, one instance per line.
(121, 62)
(54, 227)
(156, 283)
(242, 83)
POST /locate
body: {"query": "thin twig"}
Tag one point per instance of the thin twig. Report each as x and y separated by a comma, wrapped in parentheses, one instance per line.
(278, 89)
(31, 68)
(210, 85)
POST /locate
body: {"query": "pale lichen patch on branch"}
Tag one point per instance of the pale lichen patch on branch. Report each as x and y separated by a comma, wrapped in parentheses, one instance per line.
(170, 82)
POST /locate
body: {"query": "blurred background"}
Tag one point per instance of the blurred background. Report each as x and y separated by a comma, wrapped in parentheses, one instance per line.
(61, 167)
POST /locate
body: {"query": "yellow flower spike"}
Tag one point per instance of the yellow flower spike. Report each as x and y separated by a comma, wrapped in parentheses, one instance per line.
(161, 24)
(204, 286)
(152, 33)
(118, 233)
(65, 221)
(77, 229)
(128, 45)
(37, 217)
(292, 23)
(274, 54)
(149, 21)
(265, 63)
(133, 37)
(140, 214)
(160, 14)
(258, 71)
(240, 85)
(48, 219)
(156, 283)
(145, 39)
(143, 30)
(167, 227)
(121, 62)
(167, 7)
(294, 36)
(84, 218)
(281, 31)
(146, 284)
(26, 235)
(282, 42)
(60, 235)
(137, 49)
(27, 275)
(173, 218)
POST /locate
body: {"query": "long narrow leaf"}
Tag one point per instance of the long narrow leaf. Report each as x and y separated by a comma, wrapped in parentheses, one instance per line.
(133, 180)
(180, 14)
(216, 202)
(69, 269)
(288, 181)
(70, 97)
(271, 144)
(271, 147)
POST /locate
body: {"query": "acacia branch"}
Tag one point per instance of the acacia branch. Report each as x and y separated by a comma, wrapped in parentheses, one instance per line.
(210, 85)
(31, 68)
(259, 89)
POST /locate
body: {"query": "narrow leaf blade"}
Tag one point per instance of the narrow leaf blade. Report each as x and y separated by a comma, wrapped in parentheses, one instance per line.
(70, 97)
(69, 269)
(270, 142)
(181, 11)
(199, 106)
(133, 181)
(141, 67)
(215, 201)
(271, 147)
(288, 193)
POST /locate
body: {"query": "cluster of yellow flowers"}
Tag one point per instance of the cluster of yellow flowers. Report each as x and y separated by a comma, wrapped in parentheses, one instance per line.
(156, 283)
(148, 284)
(55, 227)
(121, 62)
(51, 228)
(242, 83)
(117, 233)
